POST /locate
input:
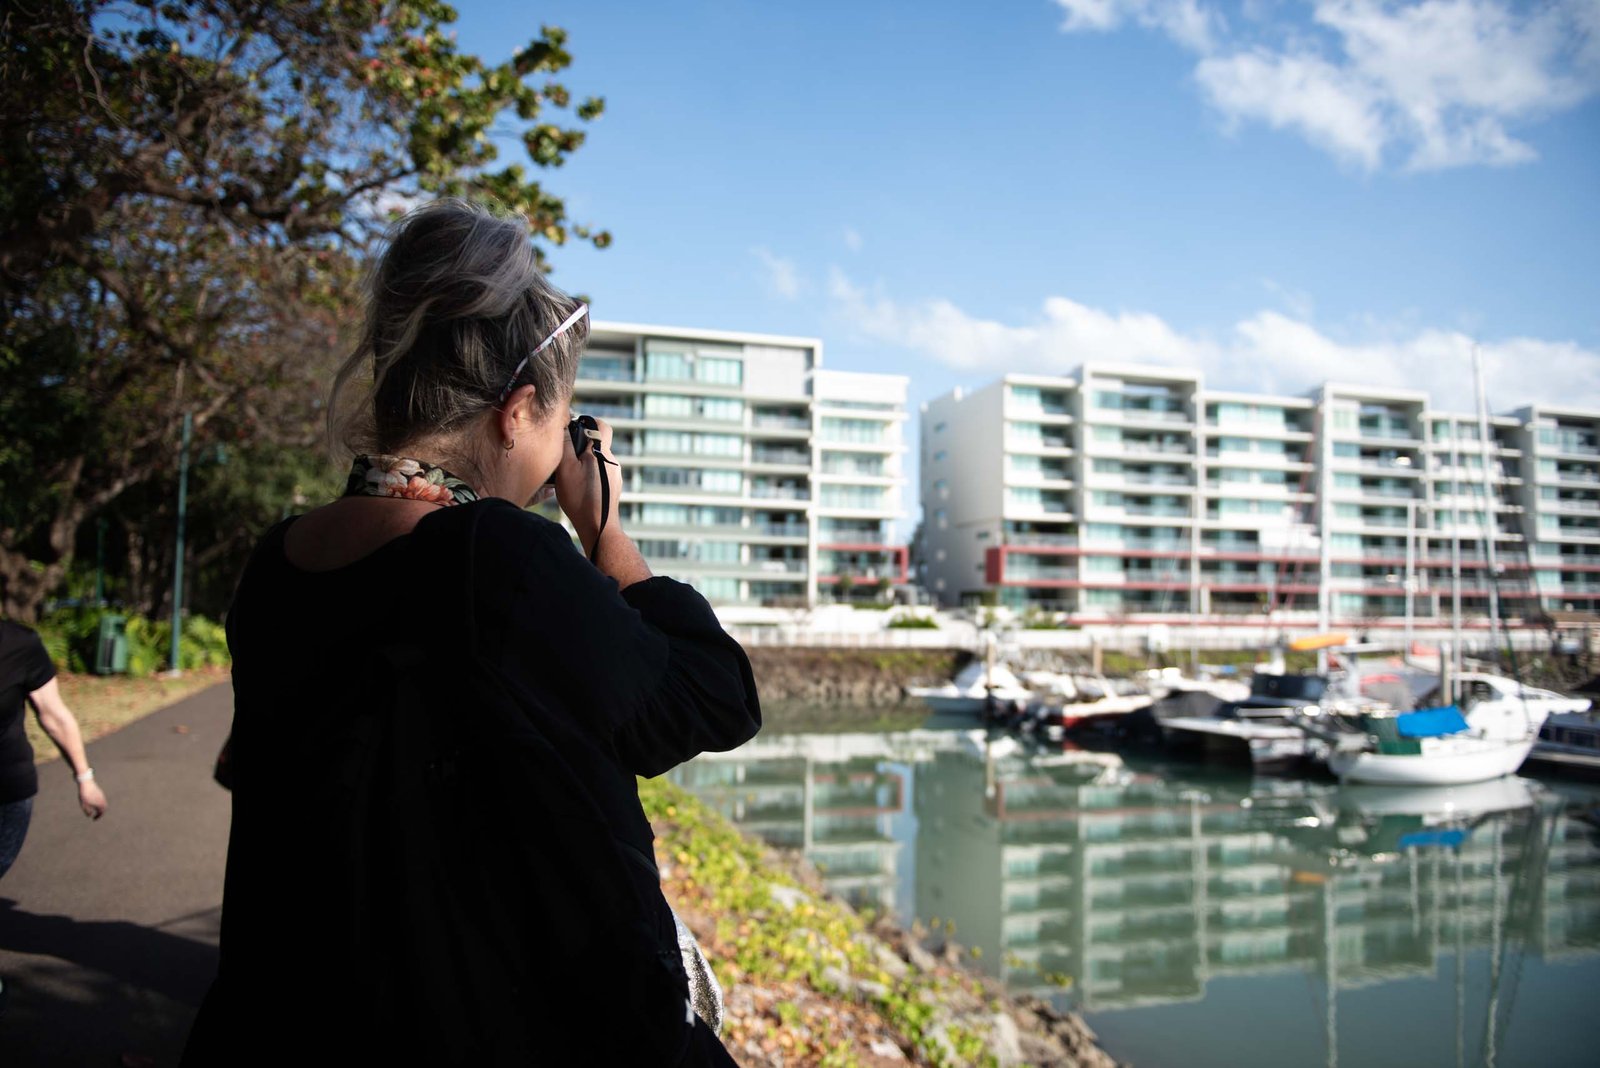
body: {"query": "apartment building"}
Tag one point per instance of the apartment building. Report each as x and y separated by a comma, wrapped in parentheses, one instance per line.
(750, 471)
(1561, 504)
(1131, 491)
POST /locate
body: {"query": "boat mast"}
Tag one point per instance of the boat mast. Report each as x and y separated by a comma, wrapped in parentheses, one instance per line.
(1411, 573)
(1491, 524)
(1324, 550)
(1455, 555)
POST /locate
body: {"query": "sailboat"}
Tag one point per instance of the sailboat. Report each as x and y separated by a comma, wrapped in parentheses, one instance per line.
(1487, 733)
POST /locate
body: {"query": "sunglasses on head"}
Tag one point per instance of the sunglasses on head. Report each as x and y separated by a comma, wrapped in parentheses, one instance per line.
(566, 324)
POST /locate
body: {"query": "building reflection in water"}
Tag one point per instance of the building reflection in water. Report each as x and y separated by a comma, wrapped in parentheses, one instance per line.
(1102, 888)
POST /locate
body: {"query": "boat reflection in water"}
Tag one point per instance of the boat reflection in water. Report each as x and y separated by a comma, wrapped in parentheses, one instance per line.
(1210, 921)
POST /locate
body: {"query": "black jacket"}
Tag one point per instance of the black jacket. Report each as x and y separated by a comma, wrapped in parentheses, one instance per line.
(438, 854)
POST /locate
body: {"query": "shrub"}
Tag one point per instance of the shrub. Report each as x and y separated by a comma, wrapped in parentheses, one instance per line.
(913, 623)
(70, 635)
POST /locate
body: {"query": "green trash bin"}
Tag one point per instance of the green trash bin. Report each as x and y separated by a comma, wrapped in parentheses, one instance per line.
(111, 647)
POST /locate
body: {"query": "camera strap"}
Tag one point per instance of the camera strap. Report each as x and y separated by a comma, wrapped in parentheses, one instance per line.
(588, 431)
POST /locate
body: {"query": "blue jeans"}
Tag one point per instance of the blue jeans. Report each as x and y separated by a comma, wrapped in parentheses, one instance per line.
(14, 817)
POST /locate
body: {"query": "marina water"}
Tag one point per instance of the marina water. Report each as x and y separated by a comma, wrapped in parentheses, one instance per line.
(1203, 919)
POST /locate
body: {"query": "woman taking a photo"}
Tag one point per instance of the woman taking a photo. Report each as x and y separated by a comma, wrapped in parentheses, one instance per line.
(438, 854)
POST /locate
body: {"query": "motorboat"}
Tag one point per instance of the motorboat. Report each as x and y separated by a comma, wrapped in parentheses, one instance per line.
(979, 685)
(1267, 726)
(1569, 741)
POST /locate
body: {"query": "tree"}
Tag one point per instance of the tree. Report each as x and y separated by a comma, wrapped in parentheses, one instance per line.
(188, 192)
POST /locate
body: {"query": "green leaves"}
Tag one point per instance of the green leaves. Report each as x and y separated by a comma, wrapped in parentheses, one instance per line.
(187, 196)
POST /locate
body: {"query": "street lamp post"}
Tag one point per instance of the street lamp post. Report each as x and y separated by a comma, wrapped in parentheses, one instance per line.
(177, 569)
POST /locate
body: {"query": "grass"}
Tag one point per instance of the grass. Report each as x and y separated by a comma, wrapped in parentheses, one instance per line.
(105, 704)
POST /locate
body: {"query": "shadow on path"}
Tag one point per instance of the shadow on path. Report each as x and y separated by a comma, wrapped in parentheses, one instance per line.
(172, 965)
(101, 992)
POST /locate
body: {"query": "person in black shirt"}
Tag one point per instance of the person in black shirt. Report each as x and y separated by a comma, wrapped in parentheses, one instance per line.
(28, 677)
(437, 853)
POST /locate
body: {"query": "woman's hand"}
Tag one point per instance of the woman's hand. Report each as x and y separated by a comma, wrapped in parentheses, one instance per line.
(91, 799)
(578, 488)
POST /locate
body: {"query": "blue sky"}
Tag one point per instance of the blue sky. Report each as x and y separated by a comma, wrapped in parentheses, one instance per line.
(1277, 192)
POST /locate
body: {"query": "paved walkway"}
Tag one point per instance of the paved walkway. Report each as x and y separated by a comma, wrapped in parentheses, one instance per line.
(108, 930)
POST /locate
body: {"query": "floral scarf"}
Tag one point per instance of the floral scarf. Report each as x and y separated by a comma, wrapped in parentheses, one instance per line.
(401, 476)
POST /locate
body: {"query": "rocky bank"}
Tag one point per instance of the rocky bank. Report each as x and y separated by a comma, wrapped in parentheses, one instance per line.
(809, 981)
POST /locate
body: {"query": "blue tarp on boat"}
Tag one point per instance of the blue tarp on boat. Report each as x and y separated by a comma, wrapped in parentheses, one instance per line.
(1452, 837)
(1430, 722)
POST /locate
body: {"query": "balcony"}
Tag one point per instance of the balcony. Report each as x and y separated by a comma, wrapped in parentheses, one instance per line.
(605, 374)
(789, 567)
(781, 457)
(773, 421)
(1573, 444)
(779, 530)
(842, 534)
(1153, 448)
(1018, 572)
(1029, 443)
(608, 411)
(782, 493)
(1157, 545)
(1043, 541)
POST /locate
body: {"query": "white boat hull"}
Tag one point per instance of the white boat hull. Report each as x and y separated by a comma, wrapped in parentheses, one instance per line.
(948, 700)
(1445, 765)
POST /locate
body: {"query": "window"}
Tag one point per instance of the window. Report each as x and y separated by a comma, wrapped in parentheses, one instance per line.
(668, 406)
(722, 409)
(719, 371)
(852, 496)
(719, 552)
(1025, 465)
(668, 442)
(716, 481)
(940, 456)
(670, 365)
(718, 589)
(1026, 498)
(1024, 433)
(858, 431)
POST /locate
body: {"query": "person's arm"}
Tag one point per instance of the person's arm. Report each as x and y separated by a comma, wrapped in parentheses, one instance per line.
(59, 723)
(577, 485)
(648, 666)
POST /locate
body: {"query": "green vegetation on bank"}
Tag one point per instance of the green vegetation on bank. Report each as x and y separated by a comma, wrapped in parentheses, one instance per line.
(812, 959)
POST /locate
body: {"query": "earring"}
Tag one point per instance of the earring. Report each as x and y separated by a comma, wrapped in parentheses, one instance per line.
(510, 444)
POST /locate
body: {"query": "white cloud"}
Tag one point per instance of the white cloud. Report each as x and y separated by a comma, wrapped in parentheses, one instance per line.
(783, 277)
(852, 239)
(1435, 83)
(1185, 21)
(1333, 110)
(1266, 352)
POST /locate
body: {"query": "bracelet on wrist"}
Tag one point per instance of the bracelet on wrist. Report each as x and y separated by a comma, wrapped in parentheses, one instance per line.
(86, 775)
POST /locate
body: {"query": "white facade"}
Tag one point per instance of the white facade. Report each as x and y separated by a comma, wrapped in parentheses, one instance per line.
(746, 464)
(1134, 491)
